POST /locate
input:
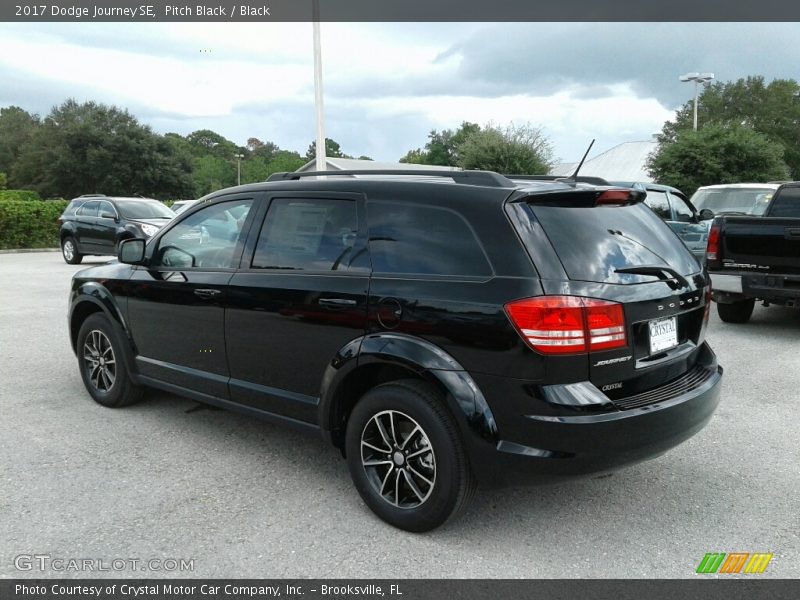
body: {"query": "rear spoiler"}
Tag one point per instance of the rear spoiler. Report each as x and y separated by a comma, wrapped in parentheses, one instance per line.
(583, 198)
(560, 178)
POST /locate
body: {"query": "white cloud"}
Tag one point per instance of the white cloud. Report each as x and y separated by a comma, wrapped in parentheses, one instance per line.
(386, 85)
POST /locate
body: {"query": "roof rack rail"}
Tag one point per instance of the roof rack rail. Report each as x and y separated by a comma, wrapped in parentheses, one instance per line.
(581, 178)
(91, 196)
(485, 178)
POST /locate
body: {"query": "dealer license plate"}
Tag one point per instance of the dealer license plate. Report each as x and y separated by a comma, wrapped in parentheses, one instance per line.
(663, 334)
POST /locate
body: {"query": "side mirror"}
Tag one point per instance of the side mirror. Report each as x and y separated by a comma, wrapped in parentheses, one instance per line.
(131, 252)
(107, 215)
(706, 214)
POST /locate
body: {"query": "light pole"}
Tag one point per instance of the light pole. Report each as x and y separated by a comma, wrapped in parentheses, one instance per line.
(238, 158)
(698, 78)
(321, 163)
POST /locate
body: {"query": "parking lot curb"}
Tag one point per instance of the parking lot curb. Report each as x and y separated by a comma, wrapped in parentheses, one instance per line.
(22, 250)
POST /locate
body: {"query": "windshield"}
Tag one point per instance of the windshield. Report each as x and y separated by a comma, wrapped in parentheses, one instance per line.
(748, 201)
(145, 209)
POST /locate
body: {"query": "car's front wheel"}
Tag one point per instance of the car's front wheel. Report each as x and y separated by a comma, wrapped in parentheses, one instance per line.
(736, 312)
(406, 456)
(69, 250)
(102, 366)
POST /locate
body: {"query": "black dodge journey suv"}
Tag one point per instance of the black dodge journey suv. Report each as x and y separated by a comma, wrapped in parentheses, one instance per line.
(441, 329)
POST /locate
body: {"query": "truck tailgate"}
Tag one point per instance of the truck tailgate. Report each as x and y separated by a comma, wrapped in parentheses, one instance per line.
(761, 244)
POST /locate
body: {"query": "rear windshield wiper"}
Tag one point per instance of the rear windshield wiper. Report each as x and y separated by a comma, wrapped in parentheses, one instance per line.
(667, 274)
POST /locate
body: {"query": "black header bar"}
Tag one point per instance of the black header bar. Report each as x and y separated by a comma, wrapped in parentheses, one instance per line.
(400, 10)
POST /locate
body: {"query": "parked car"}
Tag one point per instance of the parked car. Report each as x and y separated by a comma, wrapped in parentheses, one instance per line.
(95, 224)
(735, 198)
(438, 333)
(181, 205)
(669, 203)
(757, 257)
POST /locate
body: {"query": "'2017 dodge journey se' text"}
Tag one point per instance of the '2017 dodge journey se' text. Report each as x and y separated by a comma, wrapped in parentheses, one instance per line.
(442, 329)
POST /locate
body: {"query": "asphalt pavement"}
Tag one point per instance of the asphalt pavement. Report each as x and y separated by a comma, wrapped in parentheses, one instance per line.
(244, 498)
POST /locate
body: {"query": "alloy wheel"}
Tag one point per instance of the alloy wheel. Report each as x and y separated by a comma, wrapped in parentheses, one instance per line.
(69, 250)
(99, 360)
(398, 459)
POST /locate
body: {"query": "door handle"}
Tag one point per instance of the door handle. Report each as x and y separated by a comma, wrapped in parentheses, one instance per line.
(791, 233)
(336, 302)
(205, 294)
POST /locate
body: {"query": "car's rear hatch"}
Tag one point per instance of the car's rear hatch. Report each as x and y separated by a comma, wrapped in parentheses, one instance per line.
(594, 244)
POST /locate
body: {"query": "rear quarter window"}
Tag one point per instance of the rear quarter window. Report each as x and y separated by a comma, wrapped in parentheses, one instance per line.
(72, 207)
(423, 240)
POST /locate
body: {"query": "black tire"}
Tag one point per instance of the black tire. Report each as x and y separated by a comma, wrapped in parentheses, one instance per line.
(69, 250)
(737, 312)
(419, 507)
(111, 387)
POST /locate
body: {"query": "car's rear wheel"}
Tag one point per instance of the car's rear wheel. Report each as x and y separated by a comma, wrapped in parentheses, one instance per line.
(406, 457)
(736, 312)
(69, 250)
(102, 366)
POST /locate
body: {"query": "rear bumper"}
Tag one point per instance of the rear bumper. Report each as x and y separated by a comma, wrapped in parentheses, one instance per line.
(726, 283)
(733, 287)
(553, 447)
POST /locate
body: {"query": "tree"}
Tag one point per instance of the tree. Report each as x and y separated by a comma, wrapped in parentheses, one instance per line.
(442, 147)
(3, 181)
(90, 147)
(285, 161)
(332, 150)
(211, 173)
(771, 109)
(515, 149)
(717, 154)
(265, 150)
(16, 128)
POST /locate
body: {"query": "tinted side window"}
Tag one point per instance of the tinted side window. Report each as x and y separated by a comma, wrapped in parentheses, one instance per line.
(682, 211)
(89, 209)
(206, 239)
(307, 235)
(105, 208)
(659, 204)
(786, 204)
(423, 240)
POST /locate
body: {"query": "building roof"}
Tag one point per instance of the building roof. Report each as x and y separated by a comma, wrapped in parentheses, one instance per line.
(625, 162)
(355, 164)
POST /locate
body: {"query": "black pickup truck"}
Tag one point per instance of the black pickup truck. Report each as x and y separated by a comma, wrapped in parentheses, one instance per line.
(757, 258)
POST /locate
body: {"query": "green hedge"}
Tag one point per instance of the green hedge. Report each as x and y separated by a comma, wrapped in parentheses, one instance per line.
(18, 195)
(25, 224)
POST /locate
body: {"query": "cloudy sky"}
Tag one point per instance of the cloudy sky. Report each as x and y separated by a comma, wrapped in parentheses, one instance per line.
(387, 85)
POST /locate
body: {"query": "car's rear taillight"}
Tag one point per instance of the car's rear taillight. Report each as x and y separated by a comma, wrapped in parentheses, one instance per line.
(713, 251)
(568, 324)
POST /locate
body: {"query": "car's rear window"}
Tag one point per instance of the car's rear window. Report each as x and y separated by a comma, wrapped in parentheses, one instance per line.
(592, 243)
(73, 207)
